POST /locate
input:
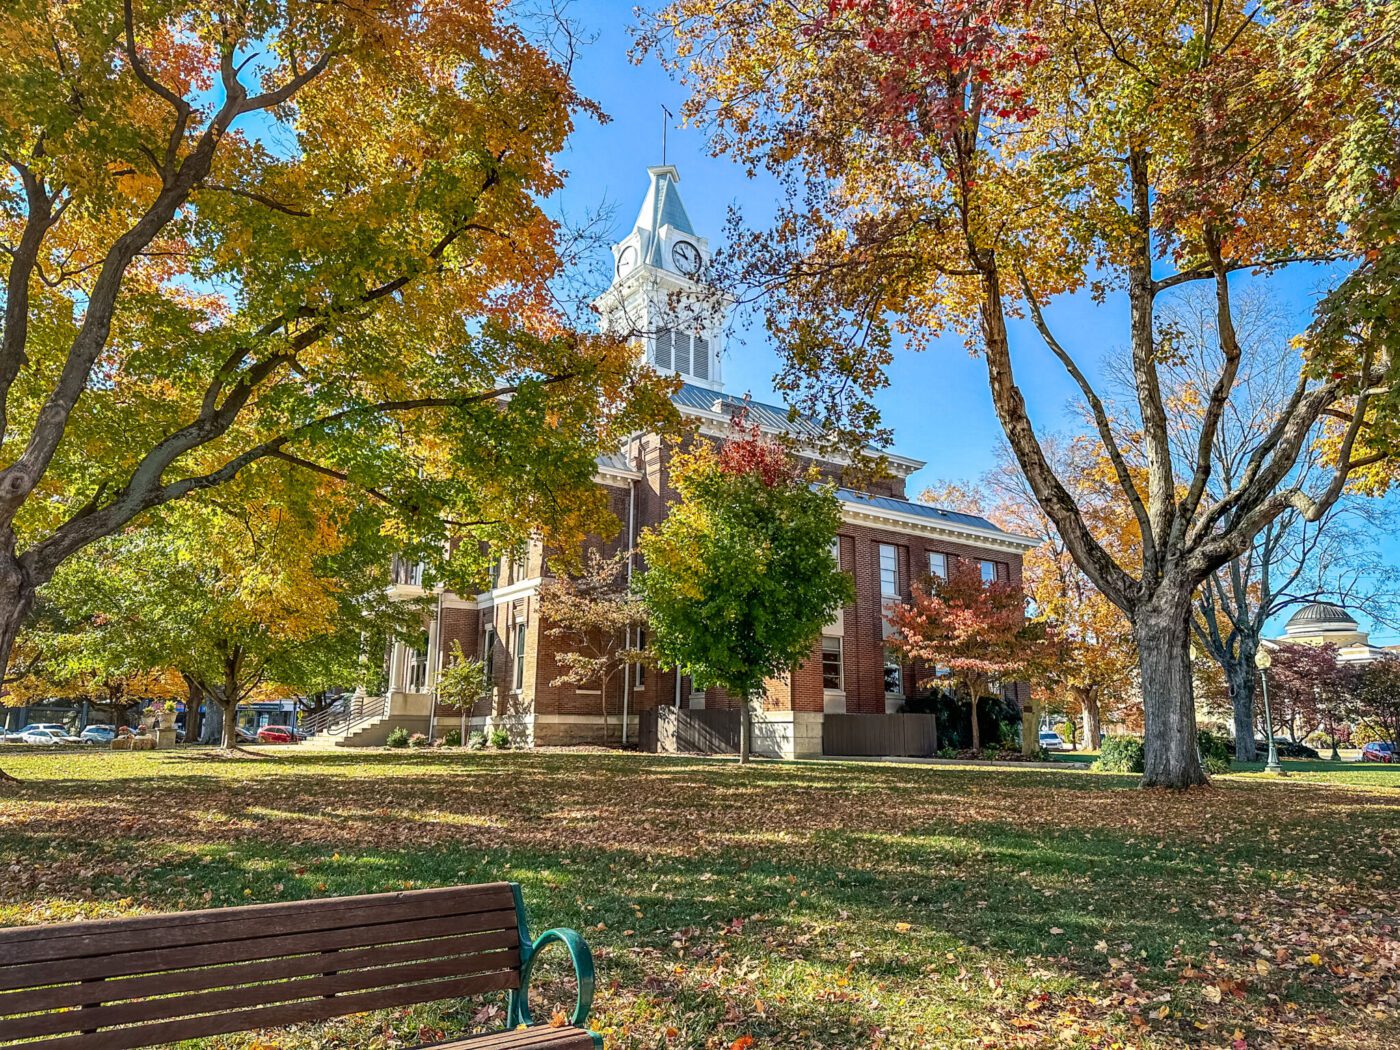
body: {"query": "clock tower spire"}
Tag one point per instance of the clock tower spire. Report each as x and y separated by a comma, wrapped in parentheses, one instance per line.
(658, 294)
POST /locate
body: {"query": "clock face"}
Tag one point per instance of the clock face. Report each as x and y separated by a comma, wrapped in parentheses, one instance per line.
(627, 259)
(686, 257)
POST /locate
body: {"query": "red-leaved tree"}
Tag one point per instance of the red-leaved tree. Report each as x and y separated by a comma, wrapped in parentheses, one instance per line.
(1309, 689)
(976, 632)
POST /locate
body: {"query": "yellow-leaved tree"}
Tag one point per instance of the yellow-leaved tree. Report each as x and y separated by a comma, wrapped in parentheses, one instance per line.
(309, 234)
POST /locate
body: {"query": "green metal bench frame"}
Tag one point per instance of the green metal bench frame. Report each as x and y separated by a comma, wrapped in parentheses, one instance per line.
(518, 1008)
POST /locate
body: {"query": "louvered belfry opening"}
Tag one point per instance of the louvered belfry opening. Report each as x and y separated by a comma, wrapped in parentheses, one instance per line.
(685, 353)
(146, 981)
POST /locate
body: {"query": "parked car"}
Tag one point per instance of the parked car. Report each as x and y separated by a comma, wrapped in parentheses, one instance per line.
(1289, 749)
(17, 737)
(50, 737)
(1378, 751)
(1051, 741)
(97, 735)
(1286, 748)
(278, 735)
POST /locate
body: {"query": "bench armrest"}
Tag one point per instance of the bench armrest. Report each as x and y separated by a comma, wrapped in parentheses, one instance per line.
(582, 959)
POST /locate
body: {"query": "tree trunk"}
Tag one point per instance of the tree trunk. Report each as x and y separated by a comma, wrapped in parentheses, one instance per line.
(1030, 729)
(1161, 628)
(1089, 715)
(229, 736)
(1239, 674)
(745, 729)
(16, 599)
(194, 718)
(976, 731)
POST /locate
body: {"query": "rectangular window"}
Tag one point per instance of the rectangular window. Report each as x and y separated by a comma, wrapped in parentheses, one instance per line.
(889, 571)
(682, 344)
(664, 341)
(519, 656)
(894, 674)
(989, 571)
(416, 670)
(488, 656)
(832, 672)
(640, 671)
(938, 565)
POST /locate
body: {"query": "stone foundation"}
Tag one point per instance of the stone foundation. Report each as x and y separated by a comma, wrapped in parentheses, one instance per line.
(787, 734)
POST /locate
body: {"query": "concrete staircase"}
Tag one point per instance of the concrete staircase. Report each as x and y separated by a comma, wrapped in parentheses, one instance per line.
(367, 721)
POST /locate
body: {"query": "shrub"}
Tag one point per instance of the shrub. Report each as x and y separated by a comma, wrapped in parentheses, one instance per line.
(452, 738)
(476, 741)
(500, 739)
(398, 737)
(947, 752)
(419, 740)
(1120, 754)
(1215, 751)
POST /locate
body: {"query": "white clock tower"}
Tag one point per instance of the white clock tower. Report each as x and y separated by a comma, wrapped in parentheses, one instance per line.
(658, 295)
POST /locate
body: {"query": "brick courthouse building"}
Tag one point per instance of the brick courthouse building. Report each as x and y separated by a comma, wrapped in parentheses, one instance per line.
(886, 542)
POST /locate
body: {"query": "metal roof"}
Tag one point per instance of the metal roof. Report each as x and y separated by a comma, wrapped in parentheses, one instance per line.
(1318, 614)
(769, 417)
(918, 510)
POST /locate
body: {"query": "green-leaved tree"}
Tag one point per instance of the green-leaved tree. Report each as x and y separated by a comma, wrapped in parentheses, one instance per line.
(740, 577)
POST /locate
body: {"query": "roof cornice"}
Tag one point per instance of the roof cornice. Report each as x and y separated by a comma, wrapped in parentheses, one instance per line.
(854, 513)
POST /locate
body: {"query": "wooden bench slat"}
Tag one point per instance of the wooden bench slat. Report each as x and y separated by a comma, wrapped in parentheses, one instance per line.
(223, 925)
(226, 999)
(161, 959)
(521, 1039)
(273, 1016)
(275, 908)
(31, 1000)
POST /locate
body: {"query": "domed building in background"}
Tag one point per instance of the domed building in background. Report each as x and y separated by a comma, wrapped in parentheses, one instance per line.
(1324, 623)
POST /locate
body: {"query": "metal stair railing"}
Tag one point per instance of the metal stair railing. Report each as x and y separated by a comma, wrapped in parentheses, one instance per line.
(345, 716)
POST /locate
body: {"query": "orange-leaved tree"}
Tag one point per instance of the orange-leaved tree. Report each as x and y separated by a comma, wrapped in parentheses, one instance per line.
(957, 165)
(974, 632)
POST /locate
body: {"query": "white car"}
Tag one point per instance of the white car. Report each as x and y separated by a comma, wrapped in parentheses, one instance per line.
(1051, 741)
(17, 737)
(49, 737)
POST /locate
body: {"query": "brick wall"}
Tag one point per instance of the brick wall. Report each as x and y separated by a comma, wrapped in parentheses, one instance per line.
(862, 631)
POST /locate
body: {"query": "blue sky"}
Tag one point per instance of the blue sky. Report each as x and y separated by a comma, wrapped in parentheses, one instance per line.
(937, 403)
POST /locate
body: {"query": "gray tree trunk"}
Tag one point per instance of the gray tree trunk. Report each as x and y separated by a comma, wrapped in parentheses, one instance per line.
(976, 730)
(1239, 674)
(1162, 629)
(745, 729)
(16, 599)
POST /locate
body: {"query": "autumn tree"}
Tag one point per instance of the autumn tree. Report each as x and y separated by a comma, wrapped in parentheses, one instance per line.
(976, 630)
(957, 165)
(1309, 688)
(302, 234)
(1292, 560)
(248, 596)
(599, 621)
(739, 577)
(1092, 670)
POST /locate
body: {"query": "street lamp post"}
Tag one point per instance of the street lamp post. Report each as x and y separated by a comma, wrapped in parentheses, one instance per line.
(1262, 660)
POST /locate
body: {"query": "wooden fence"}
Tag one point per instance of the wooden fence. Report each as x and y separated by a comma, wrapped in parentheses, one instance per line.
(901, 735)
(668, 731)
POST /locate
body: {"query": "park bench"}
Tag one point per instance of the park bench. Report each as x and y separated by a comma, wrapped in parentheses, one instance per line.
(153, 979)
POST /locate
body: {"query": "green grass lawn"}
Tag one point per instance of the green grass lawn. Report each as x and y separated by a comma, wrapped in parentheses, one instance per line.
(804, 905)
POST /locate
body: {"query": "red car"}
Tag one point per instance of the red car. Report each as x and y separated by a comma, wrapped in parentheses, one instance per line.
(1378, 751)
(278, 735)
